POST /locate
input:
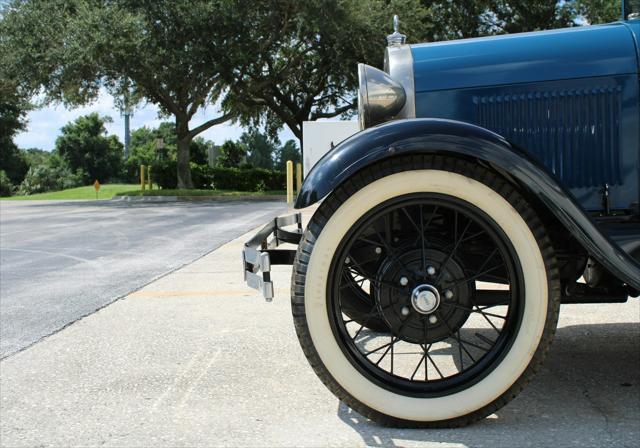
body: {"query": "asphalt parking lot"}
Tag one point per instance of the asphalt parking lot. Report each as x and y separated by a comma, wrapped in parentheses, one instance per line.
(197, 359)
(60, 261)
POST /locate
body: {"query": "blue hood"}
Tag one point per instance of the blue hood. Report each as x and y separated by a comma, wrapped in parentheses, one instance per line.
(568, 53)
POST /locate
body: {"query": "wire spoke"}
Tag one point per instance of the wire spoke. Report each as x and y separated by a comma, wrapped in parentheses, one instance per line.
(455, 247)
(461, 358)
(361, 271)
(392, 354)
(413, 223)
(484, 307)
(424, 249)
(497, 316)
(413, 375)
(433, 214)
(420, 231)
(372, 312)
(485, 339)
(370, 352)
(468, 238)
(385, 352)
(483, 314)
(463, 347)
(472, 344)
(473, 277)
(390, 251)
(426, 351)
(457, 333)
(380, 282)
(432, 361)
(478, 310)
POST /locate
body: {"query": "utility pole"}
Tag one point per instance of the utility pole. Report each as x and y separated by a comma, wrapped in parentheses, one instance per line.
(127, 131)
(126, 109)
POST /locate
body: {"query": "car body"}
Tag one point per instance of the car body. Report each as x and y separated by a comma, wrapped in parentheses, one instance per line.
(546, 124)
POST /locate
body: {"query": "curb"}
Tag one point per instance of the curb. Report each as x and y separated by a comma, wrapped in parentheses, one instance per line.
(197, 198)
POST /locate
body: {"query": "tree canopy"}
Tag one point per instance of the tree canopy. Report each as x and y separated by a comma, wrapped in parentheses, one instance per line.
(166, 52)
(145, 152)
(298, 59)
(454, 19)
(12, 112)
(85, 146)
(288, 151)
(232, 154)
(261, 150)
(265, 64)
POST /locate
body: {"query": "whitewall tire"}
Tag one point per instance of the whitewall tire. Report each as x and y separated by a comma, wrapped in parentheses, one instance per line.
(388, 397)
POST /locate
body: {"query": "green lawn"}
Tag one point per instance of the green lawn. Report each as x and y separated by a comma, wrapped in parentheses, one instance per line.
(107, 191)
(168, 192)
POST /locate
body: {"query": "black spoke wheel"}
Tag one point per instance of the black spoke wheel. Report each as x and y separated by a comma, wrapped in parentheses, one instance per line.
(442, 254)
(425, 292)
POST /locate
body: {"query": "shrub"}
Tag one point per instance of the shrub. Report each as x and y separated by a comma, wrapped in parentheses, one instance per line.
(50, 178)
(255, 179)
(6, 187)
(205, 177)
(164, 174)
(202, 176)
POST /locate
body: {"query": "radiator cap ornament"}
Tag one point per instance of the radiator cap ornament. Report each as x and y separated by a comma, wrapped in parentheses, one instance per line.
(396, 38)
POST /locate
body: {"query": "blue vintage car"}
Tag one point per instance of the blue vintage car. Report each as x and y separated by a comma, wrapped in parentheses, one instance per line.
(493, 180)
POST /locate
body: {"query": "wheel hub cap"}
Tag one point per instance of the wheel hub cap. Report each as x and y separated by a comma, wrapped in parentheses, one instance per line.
(425, 299)
(407, 311)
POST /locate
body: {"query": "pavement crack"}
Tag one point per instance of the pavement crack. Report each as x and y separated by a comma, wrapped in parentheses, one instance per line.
(599, 410)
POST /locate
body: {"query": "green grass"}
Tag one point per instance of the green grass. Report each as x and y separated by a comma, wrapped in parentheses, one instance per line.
(167, 192)
(107, 191)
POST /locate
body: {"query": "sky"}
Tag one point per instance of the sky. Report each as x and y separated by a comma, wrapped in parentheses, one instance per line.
(44, 124)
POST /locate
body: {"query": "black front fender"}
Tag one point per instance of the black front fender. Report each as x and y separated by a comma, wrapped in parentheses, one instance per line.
(453, 138)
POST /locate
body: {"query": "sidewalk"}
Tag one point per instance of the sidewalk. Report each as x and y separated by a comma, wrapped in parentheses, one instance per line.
(198, 359)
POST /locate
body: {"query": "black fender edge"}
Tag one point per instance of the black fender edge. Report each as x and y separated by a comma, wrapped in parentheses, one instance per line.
(454, 138)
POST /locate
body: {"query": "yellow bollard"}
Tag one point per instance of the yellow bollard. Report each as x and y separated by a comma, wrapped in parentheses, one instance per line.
(289, 182)
(149, 177)
(298, 177)
(142, 177)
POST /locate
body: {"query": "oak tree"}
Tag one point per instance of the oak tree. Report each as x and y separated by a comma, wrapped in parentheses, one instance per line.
(164, 52)
(299, 59)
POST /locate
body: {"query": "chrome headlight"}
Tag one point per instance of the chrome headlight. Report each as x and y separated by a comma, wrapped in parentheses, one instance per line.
(380, 98)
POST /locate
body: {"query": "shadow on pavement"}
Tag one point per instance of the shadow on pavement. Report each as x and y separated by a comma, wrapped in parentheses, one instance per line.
(586, 394)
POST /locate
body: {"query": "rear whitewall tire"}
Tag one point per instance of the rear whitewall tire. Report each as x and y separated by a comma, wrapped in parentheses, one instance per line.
(312, 269)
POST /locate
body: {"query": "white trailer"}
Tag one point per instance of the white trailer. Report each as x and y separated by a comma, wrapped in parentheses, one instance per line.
(320, 136)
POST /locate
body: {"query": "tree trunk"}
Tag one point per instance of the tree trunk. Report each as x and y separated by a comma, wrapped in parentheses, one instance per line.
(184, 139)
(184, 170)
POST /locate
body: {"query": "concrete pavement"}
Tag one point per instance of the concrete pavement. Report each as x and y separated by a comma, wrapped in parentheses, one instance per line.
(197, 359)
(61, 260)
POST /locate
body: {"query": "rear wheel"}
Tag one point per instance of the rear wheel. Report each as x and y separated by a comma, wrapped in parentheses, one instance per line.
(459, 292)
